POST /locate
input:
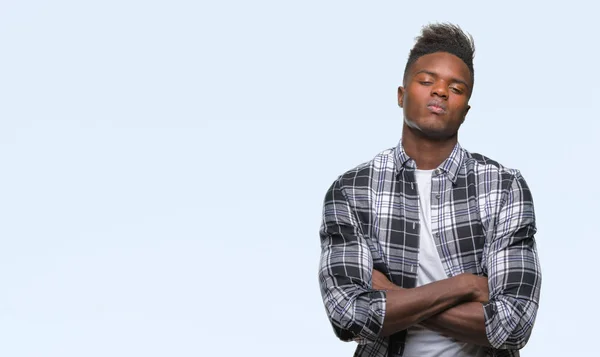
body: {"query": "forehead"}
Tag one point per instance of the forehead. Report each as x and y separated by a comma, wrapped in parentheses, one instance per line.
(443, 64)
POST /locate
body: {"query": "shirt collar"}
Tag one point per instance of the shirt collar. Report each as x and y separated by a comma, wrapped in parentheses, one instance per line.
(450, 166)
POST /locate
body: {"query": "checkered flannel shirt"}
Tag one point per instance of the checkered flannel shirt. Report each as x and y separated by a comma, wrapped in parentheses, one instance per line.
(482, 220)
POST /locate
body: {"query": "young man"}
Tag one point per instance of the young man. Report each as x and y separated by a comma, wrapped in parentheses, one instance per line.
(428, 250)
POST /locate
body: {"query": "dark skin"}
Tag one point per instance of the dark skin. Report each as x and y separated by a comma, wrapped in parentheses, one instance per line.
(429, 136)
(452, 307)
(435, 100)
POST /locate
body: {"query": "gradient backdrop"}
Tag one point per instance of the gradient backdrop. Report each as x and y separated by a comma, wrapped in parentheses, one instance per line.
(163, 163)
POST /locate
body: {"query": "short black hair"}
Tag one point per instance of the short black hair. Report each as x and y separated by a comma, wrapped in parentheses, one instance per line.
(443, 37)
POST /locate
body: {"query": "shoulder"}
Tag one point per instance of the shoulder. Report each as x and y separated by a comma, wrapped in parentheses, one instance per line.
(362, 175)
(492, 174)
(483, 164)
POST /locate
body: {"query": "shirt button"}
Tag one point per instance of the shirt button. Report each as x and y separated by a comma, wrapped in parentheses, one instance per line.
(437, 196)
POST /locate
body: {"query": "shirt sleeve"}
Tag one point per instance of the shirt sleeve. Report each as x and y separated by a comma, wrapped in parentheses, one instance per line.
(355, 311)
(514, 274)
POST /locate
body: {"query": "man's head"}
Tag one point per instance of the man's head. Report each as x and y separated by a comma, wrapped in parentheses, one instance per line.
(438, 82)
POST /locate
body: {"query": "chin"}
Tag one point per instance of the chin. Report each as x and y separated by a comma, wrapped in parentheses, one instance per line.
(436, 134)
(432, 130)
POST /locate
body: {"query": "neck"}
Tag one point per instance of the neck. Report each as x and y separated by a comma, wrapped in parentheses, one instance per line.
(428, 153)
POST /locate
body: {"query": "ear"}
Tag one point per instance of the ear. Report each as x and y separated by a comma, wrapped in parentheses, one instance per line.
(466, 111)
(401, 96)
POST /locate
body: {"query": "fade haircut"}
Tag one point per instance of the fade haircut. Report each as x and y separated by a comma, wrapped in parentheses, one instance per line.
(443, 37)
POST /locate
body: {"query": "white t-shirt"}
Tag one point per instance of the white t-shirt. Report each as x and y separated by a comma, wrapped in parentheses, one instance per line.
(421, 342)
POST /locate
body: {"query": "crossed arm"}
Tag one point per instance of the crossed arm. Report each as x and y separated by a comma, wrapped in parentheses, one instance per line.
(452, 307)
(457, 306)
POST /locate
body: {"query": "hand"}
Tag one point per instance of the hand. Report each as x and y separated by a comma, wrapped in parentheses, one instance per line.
(381, 282)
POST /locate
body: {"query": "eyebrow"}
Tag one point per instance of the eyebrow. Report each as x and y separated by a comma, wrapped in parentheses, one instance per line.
(453, 80)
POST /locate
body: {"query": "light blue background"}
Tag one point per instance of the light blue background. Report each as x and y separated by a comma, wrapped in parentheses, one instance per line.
(163, 163)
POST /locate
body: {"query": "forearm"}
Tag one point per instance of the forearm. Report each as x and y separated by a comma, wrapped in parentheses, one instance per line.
(407, 307)
(465, 322)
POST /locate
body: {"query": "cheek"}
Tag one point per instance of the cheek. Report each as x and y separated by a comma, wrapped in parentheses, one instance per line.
(415, 98)
(410, 106)
(460, 107)
(418, 91)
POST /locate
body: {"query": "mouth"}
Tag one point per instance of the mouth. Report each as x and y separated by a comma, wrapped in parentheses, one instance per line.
(436, 107)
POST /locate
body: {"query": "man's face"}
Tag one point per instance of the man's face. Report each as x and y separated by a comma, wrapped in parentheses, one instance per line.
(435, 96)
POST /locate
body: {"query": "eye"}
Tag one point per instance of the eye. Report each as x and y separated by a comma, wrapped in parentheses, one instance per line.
(426, 83)
(456, 90)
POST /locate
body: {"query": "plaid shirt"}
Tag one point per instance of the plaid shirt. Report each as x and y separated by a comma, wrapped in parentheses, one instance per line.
(482, 220)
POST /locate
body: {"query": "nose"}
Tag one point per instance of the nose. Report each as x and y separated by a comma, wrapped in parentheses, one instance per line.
(439, 89)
